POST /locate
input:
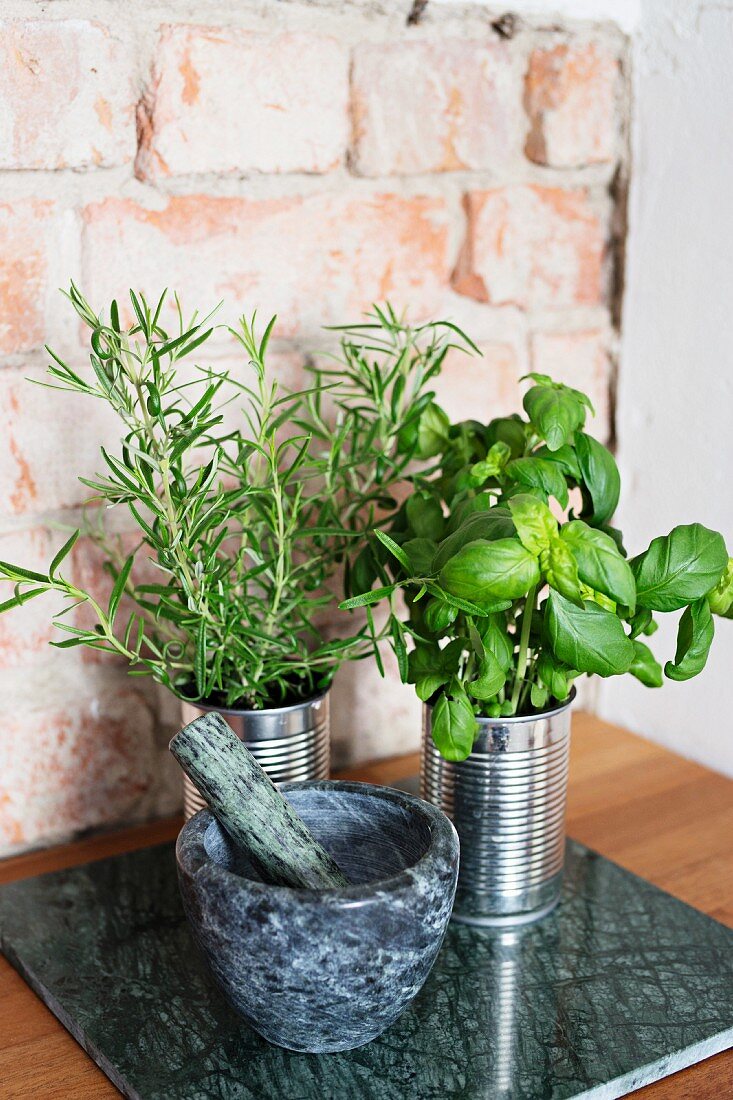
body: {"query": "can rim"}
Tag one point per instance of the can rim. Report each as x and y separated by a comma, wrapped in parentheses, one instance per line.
(303, 704)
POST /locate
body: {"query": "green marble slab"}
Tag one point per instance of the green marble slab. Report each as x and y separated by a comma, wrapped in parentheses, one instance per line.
(622, 985)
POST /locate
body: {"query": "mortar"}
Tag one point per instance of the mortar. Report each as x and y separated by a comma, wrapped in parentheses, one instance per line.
(325, 970)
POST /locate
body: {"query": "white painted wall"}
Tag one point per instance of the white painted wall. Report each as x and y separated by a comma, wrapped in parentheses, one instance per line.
(623, 12)
(675, 411)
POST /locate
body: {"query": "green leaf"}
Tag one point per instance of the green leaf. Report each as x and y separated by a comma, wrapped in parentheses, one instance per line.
(466, 605)
(645, 667)
(199, 661)
(453, 728)
(600, 477)
(484, 572)
(63, 552)
(367, 598)
(399, 647)
(394, 549)
(555, 412)
(432, 432)
(119, 588)
(495, 640)
(555, 676)
(496, 523)
(679, 568)
(564, 457)
(539, 473)
(421, 553)
(425, 516)
(439, 615)
(493, 465)
(20, 598)
(588, 638)
(18, 573)
(490, 680)
(427, 685)
(538, 695)
(535, 523)
(694, 638)
(640, 622)
(600, 564)
(720, 598)
(560, 569)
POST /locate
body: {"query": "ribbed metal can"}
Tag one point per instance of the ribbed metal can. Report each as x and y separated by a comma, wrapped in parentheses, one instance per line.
(507, 802)
(289, 743)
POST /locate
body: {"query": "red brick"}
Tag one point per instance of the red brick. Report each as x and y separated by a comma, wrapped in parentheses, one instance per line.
(29, 242)
(26, 631)
(579, 359)
(74, 763)
(571, 98)
(231, 101)
(313, 260)
(67, 98)
(535, 247)
(472, 387)
(49, 439)
(433, 107)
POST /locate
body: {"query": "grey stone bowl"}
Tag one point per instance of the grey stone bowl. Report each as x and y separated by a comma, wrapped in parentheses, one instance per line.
(326, 970)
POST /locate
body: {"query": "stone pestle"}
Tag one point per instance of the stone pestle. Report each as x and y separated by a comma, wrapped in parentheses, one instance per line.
(251, 809)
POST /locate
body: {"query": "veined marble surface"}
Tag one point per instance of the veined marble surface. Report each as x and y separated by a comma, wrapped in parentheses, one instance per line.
(621, 985)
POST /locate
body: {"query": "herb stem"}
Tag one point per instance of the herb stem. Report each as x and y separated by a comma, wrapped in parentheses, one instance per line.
(523, 654)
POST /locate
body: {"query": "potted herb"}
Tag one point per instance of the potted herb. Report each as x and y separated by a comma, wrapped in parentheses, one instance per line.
(515, 585)
(244, 502)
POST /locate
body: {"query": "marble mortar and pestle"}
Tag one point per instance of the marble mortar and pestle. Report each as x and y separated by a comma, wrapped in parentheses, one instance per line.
(320, 907)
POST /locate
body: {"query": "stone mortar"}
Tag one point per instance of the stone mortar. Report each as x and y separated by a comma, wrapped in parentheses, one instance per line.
(326, 970)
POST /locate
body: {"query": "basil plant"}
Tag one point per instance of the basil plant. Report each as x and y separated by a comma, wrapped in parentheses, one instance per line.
(514, 580)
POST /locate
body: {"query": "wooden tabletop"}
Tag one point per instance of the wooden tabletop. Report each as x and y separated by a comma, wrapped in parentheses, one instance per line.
(662, 817)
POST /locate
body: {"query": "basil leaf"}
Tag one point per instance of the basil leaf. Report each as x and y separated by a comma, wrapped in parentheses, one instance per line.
(555, 677)
(427, 686)
(600, 565)
(600, 477)
(421, 553)
(645, 667)
(694, 638)
(538, 473)
(538, 696)
(555, 412)
(484, 572)
(495, 640)
(535, 523)
(439, 615)
(588, 638)
(558, 565)
(432, 432)
(564, 457)
(493, 465)
(640, 622)
(425, 516)
(481, 502)
(453, 727)
(679, 568)
(490, 679)
(720, 598)
(494, 524)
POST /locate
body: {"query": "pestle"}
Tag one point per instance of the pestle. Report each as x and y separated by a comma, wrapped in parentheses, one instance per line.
(250, 808)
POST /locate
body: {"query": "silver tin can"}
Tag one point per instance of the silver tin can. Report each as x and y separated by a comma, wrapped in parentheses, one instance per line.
(507, 802)
(289, 743)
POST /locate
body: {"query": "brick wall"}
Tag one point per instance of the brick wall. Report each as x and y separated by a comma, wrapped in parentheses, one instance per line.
(303, 160)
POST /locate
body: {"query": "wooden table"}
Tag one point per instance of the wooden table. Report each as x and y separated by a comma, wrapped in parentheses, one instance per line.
(664, 818)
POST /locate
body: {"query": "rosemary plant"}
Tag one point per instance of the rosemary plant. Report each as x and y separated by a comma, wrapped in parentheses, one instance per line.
(246, 499)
